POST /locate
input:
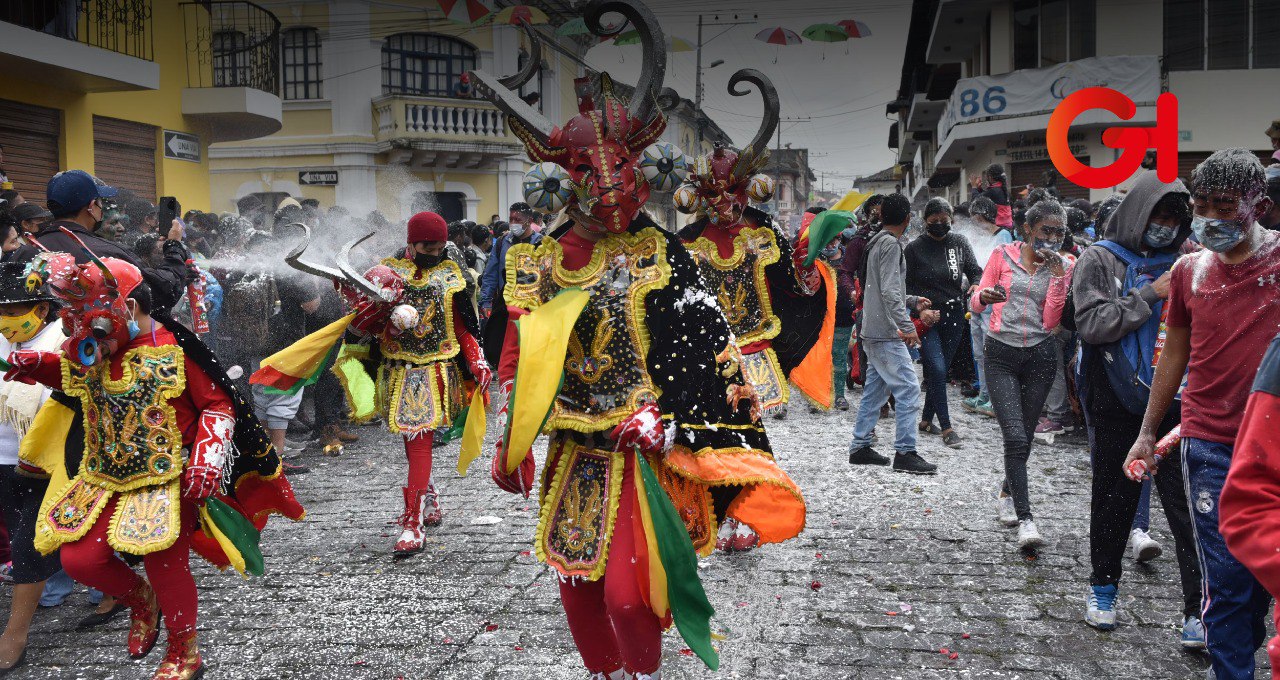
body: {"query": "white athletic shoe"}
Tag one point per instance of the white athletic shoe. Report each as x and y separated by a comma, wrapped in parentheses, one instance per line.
(1008, 513)
(1143, 547)
(1029, 537)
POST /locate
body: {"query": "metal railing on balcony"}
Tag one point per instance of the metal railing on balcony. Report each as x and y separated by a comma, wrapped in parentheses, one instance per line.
(231, 43)
(121, 26)
(465, 119)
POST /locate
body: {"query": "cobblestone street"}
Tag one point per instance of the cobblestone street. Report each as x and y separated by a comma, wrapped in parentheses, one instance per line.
(890, 570)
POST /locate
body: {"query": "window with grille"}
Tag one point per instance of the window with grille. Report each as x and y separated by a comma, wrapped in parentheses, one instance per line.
(230, 59)
(424, 64)
(1221, 34)
(300, 57)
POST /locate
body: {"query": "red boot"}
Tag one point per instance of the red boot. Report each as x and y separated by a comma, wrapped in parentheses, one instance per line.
(432, 516)
(182, 661)
(724, 539)
(744, 537)
(144, 619)
(410, 541)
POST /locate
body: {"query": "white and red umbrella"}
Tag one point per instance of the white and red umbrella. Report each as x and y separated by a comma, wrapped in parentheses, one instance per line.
(855, 29)
(464, 11)
(779, 36)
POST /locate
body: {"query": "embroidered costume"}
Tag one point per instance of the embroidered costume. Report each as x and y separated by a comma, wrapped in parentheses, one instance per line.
(781, 311)
(620, 353)
(418, 334)
(165, 437)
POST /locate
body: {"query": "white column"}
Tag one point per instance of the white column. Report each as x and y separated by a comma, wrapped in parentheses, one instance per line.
(352, 68)
(510, 173)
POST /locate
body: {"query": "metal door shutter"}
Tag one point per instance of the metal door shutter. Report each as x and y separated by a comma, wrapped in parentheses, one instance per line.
(29, 135)
(124, 155)
(1033, 172)
(1188, 160)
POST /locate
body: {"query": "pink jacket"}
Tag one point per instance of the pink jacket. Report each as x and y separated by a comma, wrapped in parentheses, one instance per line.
(1035, 303)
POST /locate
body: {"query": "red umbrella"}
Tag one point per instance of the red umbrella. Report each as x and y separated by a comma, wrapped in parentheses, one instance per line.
(855, 29)
(779, 36)
(464, 11)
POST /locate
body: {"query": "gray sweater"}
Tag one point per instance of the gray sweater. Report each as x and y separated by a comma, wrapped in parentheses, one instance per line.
(886, 307)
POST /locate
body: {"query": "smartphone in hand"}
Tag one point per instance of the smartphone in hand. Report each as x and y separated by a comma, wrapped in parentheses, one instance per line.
(168, 210)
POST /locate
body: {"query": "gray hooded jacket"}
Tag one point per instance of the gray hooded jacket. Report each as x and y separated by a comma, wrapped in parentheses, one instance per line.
(1104, 313)
(886, 307)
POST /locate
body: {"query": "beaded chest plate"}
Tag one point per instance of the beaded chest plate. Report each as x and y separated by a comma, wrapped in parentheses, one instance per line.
(431, 293)
(605, 377)
(131, 435)
(739, 282)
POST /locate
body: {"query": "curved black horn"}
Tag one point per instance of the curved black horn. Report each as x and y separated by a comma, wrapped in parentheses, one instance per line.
(772, 107)
(757, 152)
(294, 258)
(668, 100)
(531, 66)
(353, 277)
(654, 67)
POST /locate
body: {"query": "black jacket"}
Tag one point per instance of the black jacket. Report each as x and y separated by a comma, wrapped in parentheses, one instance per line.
(937, 269)
(167, 282)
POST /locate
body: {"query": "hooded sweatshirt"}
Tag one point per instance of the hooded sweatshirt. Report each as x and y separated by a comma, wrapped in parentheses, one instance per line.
(1104, 313)
(885, 304)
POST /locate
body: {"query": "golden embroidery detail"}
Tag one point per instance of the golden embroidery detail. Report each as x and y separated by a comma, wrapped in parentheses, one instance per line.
(740, 281)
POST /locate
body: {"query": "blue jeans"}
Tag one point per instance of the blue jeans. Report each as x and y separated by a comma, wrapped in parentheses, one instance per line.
(56, 589)
(840, 359)
(977, 339)
(888, 371)
(937, 349)
(1235, 605)
(1142, 518)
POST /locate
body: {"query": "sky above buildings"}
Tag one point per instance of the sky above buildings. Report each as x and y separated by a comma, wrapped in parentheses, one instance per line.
(841, 87)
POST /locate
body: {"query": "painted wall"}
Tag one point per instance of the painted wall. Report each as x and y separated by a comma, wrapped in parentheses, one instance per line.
(161, 108)
(1222, 109)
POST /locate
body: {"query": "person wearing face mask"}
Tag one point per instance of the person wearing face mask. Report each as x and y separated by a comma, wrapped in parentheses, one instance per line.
(1272, 219)
(984, 213)
(523, 228)
(1222, 316)
(941, 266)
(1120, 287)
(27, 321)
(76, 200)
(1025, 283)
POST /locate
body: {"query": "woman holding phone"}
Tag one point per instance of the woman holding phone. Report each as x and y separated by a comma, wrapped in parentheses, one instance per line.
(1025, 283)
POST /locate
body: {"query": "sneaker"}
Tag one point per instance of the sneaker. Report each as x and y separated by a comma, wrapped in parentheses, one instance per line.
(911, 462)
(951, 439)
(1029, 537)
(985, 408)
(1102, 609)
(968, 390)
(867, 456)
(971, 404)
(842, 403)
(292, 469)
(1008, 513)
(1143, 547)
(291, 445)
(929, 428)
(885, 412)
(1046, 426)
(1193, 633)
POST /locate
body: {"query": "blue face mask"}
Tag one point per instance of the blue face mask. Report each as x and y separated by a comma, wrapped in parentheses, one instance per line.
(832, 252)
(1159, 236)
(1219, 236)
(133, 329)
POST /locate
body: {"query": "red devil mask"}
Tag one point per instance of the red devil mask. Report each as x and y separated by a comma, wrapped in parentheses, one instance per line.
(723, 181)
(600, 150)
(95, 315)
(372, 314)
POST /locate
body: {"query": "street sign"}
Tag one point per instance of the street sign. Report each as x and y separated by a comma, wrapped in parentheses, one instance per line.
(181, 146)
(318, 178)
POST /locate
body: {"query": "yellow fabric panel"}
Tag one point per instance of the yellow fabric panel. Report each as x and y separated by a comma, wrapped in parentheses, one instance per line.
(302, 357)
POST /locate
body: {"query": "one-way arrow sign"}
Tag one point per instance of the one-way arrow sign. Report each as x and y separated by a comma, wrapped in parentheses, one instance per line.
(181, 146)
(323, 178)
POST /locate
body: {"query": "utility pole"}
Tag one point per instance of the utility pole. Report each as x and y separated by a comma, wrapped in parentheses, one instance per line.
(697, 79)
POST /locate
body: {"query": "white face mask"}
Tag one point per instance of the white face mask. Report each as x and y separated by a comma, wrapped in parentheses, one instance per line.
(519, 230)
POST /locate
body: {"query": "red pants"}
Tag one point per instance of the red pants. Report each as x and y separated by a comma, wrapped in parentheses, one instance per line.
(93, 562)
(418, 451)
(608, 618)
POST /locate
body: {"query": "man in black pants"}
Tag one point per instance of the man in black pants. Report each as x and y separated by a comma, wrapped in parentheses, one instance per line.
(1153, 220)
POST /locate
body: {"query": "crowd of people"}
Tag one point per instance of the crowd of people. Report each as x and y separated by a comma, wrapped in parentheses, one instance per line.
(1143, 318)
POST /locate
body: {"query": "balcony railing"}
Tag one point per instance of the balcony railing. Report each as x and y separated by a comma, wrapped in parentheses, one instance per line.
(121, 26)
(407, 116)
(231, 43)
